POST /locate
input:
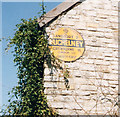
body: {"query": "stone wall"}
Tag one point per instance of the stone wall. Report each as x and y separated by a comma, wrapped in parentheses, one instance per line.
(94, 77)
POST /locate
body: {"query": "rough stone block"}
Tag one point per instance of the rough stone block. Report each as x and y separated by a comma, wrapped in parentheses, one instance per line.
(96, 72)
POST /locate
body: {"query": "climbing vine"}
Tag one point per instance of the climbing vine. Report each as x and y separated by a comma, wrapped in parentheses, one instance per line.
(30, 53)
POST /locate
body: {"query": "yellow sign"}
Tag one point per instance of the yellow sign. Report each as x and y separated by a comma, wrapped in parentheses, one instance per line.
(66, 44)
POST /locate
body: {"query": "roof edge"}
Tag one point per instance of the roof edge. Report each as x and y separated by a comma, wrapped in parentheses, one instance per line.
(61, 8)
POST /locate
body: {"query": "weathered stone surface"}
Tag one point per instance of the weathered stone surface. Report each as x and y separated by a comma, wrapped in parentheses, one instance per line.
(93, 78)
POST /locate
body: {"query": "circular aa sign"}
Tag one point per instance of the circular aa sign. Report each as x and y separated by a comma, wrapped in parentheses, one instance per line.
(66, 44)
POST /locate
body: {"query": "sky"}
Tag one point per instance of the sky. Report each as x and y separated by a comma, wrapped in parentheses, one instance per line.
(10, 14)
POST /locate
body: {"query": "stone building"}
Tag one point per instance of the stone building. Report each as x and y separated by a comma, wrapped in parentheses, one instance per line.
(93, 78)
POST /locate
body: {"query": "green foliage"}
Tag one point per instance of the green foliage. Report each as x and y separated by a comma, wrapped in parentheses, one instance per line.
(30, 52)
(42, 11)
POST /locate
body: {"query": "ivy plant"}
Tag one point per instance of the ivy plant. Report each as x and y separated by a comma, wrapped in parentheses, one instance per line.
(30, 52)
